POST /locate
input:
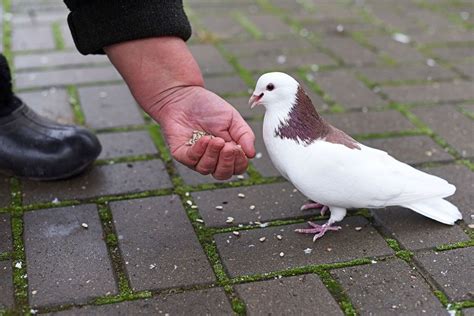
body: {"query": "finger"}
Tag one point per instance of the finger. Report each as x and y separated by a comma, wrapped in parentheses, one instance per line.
(243, 135)
(208, 162)
(241, 162)
(225, 166)
(190, 155)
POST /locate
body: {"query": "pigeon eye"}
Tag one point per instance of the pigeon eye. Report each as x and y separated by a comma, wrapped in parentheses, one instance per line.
(270, 87)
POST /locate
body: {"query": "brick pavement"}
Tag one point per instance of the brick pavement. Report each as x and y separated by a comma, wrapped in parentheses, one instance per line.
(141, 234)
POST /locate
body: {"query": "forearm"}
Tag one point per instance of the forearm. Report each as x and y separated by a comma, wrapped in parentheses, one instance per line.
(153, 67)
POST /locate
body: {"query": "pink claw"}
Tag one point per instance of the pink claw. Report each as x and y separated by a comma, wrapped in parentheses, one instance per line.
(318, 230)
(312, 204)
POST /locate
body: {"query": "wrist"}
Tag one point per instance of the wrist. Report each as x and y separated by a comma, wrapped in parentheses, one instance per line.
(155, 68)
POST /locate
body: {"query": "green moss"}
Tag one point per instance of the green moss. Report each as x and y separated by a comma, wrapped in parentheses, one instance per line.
(20, 281)
(441, 297)
(5, 256)
(405, 255)
(246, 75)
(111, 240)
(461, 244)
(159, 142)
(338, 293)
(121, 298)
(15, 189)
(58, 36)
(251, 28)
(75, 104)
(392, 243)
(7, 35)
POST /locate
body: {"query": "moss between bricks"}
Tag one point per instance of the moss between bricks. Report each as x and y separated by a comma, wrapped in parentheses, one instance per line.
(75, 104)
(57, 35)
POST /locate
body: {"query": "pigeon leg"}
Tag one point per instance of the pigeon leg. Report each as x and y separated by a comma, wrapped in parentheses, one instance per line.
(337, 214)
(312, 204)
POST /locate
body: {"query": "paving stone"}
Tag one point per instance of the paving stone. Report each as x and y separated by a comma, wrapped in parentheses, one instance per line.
(225, 85)
(242, 105)
(453, 52)
(56, 59)
(6, 285)
(157, 243)
(200, 302)
(436, 92)
(240, 258)
(288, 296)
(36, 17)
(270, 25)
(102, 180)
(466, 68)
(357, 123)
(407, 72)
(397, 51)
(116, 145)
(192, 177)
(109, 106)
(445, 267)
(463, 179)
(350, 51)
(393, 17)
(32, 38)
(274, 47)
(388, 288)
(415, 231)
(210, 60)
(332, 27)
(63, 77)
(262, 161)
(281, 201)
(4, 191)
(346, 90)
(52, 103)
(224, 27)
(67, 263)
(451, 125)
(5, 233)
(67, 37)
(468, 312)
(410, 149)
(274, 62)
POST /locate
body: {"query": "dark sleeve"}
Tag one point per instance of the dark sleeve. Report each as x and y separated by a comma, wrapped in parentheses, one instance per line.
(95, 24)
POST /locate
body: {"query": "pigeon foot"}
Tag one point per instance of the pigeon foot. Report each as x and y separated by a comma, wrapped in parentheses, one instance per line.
(312, 205)
(318, 230)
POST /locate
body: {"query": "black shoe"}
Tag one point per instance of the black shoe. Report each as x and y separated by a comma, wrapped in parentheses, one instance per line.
(36, 148)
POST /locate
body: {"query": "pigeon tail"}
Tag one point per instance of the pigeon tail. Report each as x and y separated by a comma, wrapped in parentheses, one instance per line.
(438, 209)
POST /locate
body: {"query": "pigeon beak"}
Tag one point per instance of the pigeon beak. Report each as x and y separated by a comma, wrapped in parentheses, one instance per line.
(253, 101)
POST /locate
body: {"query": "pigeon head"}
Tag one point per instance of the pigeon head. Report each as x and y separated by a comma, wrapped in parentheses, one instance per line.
(275, 91)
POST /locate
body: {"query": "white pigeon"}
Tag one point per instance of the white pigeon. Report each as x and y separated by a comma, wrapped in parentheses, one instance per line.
(330, 167)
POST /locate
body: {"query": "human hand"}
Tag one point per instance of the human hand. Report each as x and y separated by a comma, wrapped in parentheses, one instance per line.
(166, 81)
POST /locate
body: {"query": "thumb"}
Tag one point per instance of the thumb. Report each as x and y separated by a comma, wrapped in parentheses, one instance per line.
(243, 135)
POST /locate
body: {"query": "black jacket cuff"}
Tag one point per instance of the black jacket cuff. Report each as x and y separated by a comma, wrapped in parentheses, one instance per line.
(101, 23)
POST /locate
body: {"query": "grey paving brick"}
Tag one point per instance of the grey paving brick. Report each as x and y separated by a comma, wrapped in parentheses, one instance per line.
(288, 296)
(293, 60)
(270, 25)
(346, 90)
(116, 145)
(56, 59)
(436, 92)
(201, 302)
(52, 103)
(156, 240)
(410, 149)
(5, 233)
(262, 161)
(109, 106)
(67, 37)
(332, 27)
(223, 85)
(224, 27)
(192, 177)
(468, 312)
(370, 122)
(210, 60)
(270, 202)
(466, 68)
(118, 178)
(32, 38)
(450, 269)
(240, 258)
(463, 179)
(451, 125)
(37, 18)
(453, 52)
(350, 51)
(6, 285)
(67, 263)
(415, 231)
(63, 77)
(4, 191)
(388, 288)
(398, 51)
(274, 47)
(407, 72)
(242, 105)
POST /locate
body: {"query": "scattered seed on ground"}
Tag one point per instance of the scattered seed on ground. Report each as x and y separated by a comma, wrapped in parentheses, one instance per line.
(282, 254)
(236, 233)
(84, 225)
(252, 207)
(219, 207)
(279, 237)
(199, 220)
(229, 220)
(241, 195)
(262, 239)
(358, 228)
(307, 251)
